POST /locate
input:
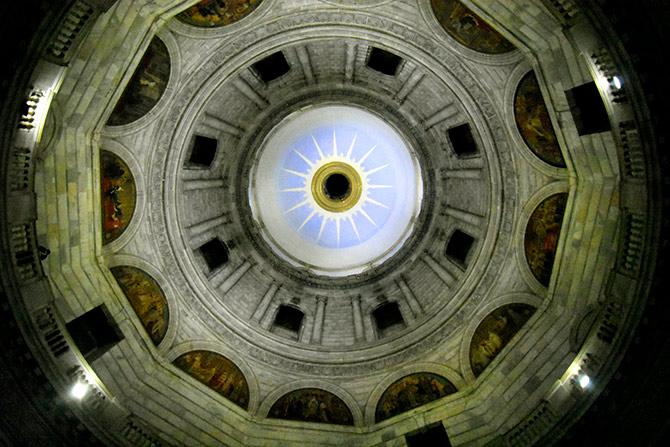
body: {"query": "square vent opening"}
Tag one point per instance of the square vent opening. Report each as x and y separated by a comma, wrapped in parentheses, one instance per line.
(384, 61)
(271, 67)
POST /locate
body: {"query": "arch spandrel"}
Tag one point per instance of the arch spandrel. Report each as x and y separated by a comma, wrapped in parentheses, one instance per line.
(218, 373)
(217, 13)
(119, 195)
(469, 29)
(494, 333)
(146, 87)
(146, 298)
(410, 392)
(542, 234)
(533, 121)
(312, 405)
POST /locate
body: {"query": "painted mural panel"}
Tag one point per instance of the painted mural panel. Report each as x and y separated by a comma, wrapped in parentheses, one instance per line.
(147, 299)
(218, 373)
(214, 13)
(410, 392)
(118, 196)
(532, 119)
(542, 233)
(312, 405)
(145, 87)
(468, 28)
(494, 332)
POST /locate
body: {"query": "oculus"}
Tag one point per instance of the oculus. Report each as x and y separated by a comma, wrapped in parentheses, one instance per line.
(335, 189)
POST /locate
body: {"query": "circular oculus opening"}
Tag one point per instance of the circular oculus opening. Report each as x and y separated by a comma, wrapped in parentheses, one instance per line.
(336, 187)
(335, 190)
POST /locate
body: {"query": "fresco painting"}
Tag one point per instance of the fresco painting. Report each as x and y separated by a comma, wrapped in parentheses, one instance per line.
(312, 405)
(147, 299)
(468, 28)
(410, 392)
(533, 122)
(118, 196)
(145, 87)
(494, 332)
(218, 373)
(542, 233)
(214, 13)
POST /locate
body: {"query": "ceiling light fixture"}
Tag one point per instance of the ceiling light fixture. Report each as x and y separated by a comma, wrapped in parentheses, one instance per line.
(79, 390)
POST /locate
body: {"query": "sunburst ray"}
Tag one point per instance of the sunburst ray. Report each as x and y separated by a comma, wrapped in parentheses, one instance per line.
(374, 202)
(307, 219)
(299, 174)
(377, 169)
(295, 207)
(318, 148)
(305, 159)
(351, 147)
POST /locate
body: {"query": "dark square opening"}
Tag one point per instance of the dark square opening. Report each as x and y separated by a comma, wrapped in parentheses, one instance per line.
(289, 317)
(433, 435)
(94, 332)
(271, 67)
(459, 246)
(462, 140)
(387, 317)
(203, 151)
(384, 61)
(215, 253)
(588, 109)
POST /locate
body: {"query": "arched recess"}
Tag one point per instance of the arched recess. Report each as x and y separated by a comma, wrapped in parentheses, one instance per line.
(147, 299)
(120, 260)
(540, 232)
(118, 196)
(231, 358)
(469, 29)
(298, 394)
(426, 368)
(533, 122)
(217, 13)
(486, 320)
(154, 79)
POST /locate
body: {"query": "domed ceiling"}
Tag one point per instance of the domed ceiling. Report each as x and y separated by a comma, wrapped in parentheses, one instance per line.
(332, 222)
